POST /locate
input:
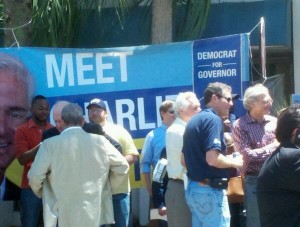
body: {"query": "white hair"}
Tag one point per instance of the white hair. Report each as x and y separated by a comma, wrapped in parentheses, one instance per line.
(182, 101)
(252, 93)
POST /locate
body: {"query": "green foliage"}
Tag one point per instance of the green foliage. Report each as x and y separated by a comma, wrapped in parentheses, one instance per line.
(1, 12)
(56, 22)
(193, 24)
(279, 105)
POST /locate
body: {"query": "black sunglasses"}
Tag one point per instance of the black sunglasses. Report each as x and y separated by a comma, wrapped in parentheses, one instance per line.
(228, 99)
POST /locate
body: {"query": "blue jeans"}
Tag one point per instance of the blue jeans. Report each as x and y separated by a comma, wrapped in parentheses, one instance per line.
(31, 208)
(209, 206)
(121, 209)
(252, 212)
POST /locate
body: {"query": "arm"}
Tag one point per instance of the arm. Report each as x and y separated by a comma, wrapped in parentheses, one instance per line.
(118, 174)
(182, 160)
(242, 142)
(147, 157)
(129, 150)
(39, 169)
(25, 153)
(28, 156)
(147, 179)
(216, 159)
(174, 144)
(131, 159)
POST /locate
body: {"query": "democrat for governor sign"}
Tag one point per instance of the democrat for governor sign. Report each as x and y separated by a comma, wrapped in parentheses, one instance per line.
(133, 81)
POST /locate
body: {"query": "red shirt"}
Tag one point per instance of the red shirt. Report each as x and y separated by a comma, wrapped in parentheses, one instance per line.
(28, 135)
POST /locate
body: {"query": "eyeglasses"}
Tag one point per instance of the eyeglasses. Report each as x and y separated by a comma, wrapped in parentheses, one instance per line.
(228, 99)
(266, 102)
(171, 111)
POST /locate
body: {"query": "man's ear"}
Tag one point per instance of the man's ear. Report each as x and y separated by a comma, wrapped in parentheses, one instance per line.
(83, 121)
(63, 124)
(296, 135)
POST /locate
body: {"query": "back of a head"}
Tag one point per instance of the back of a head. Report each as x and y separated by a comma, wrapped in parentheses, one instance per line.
(93, 128)
(287, 121)
(72, 115)
(215, 88)
(11, 64)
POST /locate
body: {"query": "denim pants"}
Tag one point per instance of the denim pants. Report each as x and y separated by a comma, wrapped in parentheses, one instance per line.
(31, 208)
(121, 204)
(252, 212)
(209, 206)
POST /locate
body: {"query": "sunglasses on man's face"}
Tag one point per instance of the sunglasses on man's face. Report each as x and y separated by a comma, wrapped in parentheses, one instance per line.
(228, 99)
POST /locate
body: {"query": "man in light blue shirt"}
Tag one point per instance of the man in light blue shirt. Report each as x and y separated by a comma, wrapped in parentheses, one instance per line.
(155, 142)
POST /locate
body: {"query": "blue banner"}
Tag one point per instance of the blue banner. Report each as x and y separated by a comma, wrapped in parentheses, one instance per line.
(222, 59)
(133, 81)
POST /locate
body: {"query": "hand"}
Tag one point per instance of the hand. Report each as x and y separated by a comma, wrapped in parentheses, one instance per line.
(237, 162)
(162, 211)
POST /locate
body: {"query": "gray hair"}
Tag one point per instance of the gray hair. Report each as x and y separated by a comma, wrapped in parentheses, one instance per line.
(72, 114)
(18, 69)
(252, 93)
(182, 101)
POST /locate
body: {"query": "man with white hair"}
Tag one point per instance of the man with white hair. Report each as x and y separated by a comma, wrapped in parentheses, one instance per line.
(254, 137)
(186, 105)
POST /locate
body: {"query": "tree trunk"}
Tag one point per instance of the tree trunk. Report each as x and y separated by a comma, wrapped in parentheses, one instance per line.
(161, 29)
(16, 14)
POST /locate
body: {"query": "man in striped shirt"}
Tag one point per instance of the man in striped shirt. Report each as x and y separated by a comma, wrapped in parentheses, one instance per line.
(254, 138)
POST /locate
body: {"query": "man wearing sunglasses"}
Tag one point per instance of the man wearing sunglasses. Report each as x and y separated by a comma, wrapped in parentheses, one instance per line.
(204, 154)
(154, 143)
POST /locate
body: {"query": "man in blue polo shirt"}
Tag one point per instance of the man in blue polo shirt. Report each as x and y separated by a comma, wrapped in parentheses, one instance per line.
(207, 166)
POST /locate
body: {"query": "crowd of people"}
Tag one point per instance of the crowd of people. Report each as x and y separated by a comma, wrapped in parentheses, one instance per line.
(76, 173)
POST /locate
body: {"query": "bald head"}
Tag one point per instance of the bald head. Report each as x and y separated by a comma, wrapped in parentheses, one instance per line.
(57, 108)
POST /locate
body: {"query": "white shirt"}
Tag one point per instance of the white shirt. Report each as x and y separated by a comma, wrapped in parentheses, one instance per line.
(174, 143)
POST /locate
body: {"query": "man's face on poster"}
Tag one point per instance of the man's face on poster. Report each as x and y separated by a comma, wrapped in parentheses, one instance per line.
(14, 108)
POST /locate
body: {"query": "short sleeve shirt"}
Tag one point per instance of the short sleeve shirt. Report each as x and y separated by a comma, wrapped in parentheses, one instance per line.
(122, 136)
(154, 143)
(27, 137)
(204, 132)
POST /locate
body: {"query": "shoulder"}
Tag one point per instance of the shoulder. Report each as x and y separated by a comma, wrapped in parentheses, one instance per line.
(241, 121)
(289, 153)
(270, 118)
(50, 133)
(24, 126)
(177, 126)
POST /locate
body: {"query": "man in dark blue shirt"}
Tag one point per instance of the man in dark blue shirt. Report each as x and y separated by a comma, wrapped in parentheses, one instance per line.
(205, 158)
